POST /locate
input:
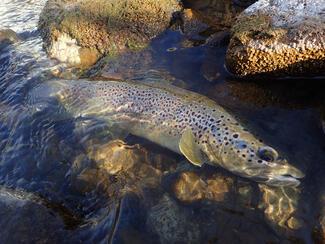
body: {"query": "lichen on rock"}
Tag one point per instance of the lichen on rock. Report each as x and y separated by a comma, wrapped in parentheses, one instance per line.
(99, 27)
(278, 38)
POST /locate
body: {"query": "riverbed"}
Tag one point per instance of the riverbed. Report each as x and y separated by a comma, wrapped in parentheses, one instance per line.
(53, 189)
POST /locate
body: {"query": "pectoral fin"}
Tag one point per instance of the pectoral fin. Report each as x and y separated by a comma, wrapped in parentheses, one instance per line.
(189, 148)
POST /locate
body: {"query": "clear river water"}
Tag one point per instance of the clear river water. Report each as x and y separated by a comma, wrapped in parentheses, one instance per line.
(54, 190)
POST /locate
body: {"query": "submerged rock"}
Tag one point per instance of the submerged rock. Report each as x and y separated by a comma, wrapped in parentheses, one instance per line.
(116, 168)
(191, 187)
(172, 223)
(24, 219)
(280, 206)
(203, 20)
(219, 14)
(126, 66)
(322, 219)
(80, 32)
(8, 36)
(279, 38)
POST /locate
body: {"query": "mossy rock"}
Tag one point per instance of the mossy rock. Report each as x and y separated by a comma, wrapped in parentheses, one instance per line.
(278, 38)
(96, 28)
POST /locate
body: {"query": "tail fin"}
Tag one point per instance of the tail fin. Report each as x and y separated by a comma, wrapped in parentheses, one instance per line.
(46, 91)
(45, 94)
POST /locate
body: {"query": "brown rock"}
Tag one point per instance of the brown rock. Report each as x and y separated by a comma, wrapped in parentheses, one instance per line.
(117, 168)
(8, 36)
(115, 156)
(101, 27)
(218, 14)
(278, 38)
(191, 187)
(280, 206)
(192, 25)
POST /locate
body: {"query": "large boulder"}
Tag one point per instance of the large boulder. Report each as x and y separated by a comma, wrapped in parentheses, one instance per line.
(203, 21)
(79, 32)
(218, 14)
(279, 38)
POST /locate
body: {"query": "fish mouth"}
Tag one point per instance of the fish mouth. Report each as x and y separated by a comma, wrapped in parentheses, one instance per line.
(284, 175)
(283, 180)
(287, 176)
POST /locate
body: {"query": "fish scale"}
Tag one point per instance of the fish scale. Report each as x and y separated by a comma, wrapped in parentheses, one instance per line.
(182, 121)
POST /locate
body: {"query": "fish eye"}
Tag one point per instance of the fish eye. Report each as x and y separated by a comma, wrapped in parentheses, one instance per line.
(267, 154)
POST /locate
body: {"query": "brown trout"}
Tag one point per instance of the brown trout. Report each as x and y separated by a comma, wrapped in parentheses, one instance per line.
(182, 121)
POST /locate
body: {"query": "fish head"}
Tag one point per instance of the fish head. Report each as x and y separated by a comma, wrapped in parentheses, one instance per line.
(247, 156)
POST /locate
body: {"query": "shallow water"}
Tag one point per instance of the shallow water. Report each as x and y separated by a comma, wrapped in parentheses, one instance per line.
(67, 181)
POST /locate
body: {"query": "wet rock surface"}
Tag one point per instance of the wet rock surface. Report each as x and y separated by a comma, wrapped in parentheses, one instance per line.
(278, 38)
(132, 191)
(191, 187)
(322, 218)
(19, 211)
(280, 206)
(80, 32)
(175, 198)
(217, 14)
(206, 22)
(8, 36)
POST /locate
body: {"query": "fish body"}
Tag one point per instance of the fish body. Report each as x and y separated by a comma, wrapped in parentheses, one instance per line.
(182, 121)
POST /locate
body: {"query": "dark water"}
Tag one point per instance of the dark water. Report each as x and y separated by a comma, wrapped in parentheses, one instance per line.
(69, 181)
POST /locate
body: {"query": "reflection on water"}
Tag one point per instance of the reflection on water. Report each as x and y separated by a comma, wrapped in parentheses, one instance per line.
(190, 187)
(81, 181)
(280, 205)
